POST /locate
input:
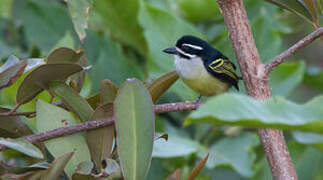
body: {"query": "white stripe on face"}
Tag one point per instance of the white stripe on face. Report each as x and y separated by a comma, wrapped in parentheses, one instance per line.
(184, 53)
(193, 46)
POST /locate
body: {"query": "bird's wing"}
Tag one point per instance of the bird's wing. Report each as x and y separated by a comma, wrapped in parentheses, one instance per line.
(224, 66)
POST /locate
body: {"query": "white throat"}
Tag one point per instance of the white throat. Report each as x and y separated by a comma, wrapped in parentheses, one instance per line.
(189, 69)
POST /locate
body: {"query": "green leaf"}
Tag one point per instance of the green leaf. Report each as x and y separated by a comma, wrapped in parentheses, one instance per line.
(175, 146)
(235, 152)
(295, 7)
(50, 117)
(286, 77)
(40, 77)
(197, 11)
(242, 110)
(100, 141)
(23, 169)
(12, 126)
(313, 139)
(5, 8)
(314, 78)
(108, 61)
(111, 167)
(123, 26)
(11, 71)
(312, 8)
(134, 118)
(39, 18)
(64, 55)
(72, 100)
(162, 27)
(108, 91)
(57, 166)
(22, 146)
(80, 12)
(160, 85)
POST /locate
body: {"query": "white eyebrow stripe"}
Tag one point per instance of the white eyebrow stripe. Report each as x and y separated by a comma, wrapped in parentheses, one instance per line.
(186, 54)
(193, 46)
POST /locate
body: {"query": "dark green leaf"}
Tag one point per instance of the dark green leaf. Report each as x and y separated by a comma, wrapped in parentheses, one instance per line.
(241, 110)
(22, 146)
(12, 126)
(108, 91)
(314, 78)
(100, 140)
(235, 152)
(57, 166)
(286, 77)
(64, 55)
(134, 118)
(39, 78)
(313, 139)
(160, 85)
(72, 100)
(24, 169)
(122, 26)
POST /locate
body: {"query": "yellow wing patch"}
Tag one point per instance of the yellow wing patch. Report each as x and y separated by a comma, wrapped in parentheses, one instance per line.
(223, 66)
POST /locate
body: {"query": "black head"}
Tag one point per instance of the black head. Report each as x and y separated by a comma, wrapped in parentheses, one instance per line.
(190, 47)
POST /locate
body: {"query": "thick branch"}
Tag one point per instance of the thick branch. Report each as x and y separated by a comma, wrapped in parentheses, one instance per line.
(162, 108)
(290, 51)
(247, 55)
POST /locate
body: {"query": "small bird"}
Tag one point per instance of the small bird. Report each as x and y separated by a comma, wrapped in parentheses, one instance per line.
(202, 67)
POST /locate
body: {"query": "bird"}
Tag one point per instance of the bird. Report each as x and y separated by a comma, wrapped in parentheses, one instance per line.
(202, 67)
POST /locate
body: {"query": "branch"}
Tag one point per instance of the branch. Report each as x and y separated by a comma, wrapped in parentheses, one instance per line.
(300, 44)
(59, 132)
(247, 55)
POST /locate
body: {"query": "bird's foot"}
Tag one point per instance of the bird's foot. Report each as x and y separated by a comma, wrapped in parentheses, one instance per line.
(197, 102)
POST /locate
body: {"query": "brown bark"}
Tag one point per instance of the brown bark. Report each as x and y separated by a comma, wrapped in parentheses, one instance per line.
(256, 83)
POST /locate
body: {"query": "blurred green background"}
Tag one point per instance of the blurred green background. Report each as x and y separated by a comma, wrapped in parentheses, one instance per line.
(125, 38)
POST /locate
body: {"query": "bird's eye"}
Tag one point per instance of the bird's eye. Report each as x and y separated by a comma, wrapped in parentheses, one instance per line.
(186, 49)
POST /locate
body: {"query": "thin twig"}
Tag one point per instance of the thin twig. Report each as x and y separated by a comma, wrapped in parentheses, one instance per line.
(59, 132)
(290, 51)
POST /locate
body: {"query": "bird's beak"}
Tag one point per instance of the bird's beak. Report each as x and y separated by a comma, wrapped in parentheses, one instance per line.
(170, 50)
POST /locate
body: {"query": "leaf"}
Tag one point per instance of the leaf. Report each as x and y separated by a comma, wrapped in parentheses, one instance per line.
(64, 55)
(40, 77)
(24, 169)
(241, 110)
(286, 77)
(57, 166)
(198, 168)
(123, 26)
(80, 12)
(83, 171)
(108, 91)
(110, 167)
(100, 141)
(134, 120)
(72, 100)
(39, 19)
(295, 7)
(175, 146)
(51, 117)
(162, 27)
(22, 146)
(235, 152)
(94, 100)
(314, 78)
(160, 85)
(199, 11)
(109, 61)
(12, 126)
(312, 8)
(11, 71)
(313, 139)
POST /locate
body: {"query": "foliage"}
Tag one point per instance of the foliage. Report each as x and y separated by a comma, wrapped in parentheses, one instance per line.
(78, 61)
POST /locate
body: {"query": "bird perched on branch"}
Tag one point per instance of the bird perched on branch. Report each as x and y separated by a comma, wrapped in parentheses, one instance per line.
(203, 68)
